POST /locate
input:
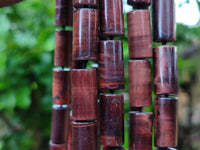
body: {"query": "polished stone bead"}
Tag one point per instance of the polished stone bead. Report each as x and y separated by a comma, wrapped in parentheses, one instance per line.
(166, 123)
(140, 130)
(84, 135)
(165, 70)
(63, 48)
(85, 34)
(60, 124)
(112, 119)
(111, 65)
(64, 13)
(164, 22)
(139, 34)
(140, 83)
(111, 18)
(61, 88)
(84, 94)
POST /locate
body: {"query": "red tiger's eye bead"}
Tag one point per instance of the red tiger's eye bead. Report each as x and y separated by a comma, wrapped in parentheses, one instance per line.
(139, 34)
(166, 124)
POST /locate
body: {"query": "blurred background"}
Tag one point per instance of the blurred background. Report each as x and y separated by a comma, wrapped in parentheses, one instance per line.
(27, 41)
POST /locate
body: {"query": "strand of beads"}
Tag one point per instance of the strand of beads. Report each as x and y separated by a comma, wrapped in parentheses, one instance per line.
(61, 92)
(111, 74)
(84, 81)
(140, 48)
(165, 74)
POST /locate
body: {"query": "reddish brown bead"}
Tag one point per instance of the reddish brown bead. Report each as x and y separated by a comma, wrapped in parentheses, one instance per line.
(139, 34)
(85, 34)
(112, 120)
(140, 131)
(64, 13)
(85, 3)
(165, 70)
(111, 18)
(111, 65)
(53, 146)
(140, 4)
(84, 135)
(140, 83)
(164, 22)
(165, 123)
(84, 94)
(60, 123)
(61, 86)
(63, 48)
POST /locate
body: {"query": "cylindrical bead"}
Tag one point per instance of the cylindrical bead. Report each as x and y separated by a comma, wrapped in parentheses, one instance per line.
(64, 13)
(85, 3)
(164, 23)
(59, 127)
(111, 18)
(63, 48)
(165, 70)
(140, 83)
(165, 122)
(84, 135)
(61, 86)
(139, 34)
(140, 131)
(84, 94)
(53, 146)
(112, 120)
(111, 65)
(140, 4)
(85, 34)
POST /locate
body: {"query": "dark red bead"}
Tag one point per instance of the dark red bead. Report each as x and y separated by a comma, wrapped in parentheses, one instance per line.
(84, 135)
(139, 34)
(140, 131)
(84, 94)
(112, 119)
(59, 126)
(85, 34)
(166, 124)
(165, 70)
(63, 48)
(53, 146)
(111, 65)
(111, 18)
(140, 4)
(140, 83)
(164, 22)
(64, 13)
(85, 3)
(61, 86)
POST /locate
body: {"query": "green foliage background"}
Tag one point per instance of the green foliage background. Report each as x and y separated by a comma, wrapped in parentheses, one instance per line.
(26, 62)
